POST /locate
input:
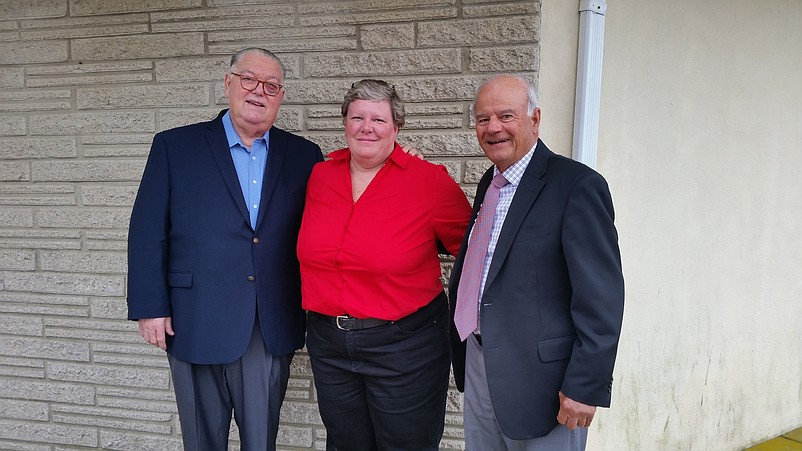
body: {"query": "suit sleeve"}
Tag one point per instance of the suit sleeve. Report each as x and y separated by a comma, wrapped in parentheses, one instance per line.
(590, 245)
(148, 239)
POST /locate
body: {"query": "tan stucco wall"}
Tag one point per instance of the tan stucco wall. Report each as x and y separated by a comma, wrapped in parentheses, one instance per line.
(557, 81)
(700, 138)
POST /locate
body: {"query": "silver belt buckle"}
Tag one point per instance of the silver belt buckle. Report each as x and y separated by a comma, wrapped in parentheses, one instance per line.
(337, 321)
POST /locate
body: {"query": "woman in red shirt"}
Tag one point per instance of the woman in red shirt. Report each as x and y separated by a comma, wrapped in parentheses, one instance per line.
(378, 323)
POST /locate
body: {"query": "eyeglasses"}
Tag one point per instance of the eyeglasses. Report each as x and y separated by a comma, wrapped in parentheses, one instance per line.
(249, 84)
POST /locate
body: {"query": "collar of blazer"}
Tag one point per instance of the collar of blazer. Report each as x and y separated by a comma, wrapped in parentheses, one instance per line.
(527, 191)
(218, 146)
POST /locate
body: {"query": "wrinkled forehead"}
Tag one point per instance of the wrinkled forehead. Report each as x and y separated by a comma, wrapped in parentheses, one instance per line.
(491, 106)
(501, 95)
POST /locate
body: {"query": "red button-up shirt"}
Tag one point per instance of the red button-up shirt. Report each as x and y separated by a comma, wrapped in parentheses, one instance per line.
(377, 257)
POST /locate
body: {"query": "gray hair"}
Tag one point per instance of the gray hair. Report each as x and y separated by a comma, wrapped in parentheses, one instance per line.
(375, 90)
(531, 92)
(235, 58)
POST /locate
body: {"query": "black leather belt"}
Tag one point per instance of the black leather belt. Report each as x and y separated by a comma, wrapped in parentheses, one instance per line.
(430, 312)
(348, 322)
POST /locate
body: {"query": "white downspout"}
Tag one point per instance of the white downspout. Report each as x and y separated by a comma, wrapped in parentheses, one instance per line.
(588, 80)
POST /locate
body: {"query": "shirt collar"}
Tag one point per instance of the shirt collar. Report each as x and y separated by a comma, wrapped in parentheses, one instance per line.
(515, 172)
(399, 157)
(233, 137)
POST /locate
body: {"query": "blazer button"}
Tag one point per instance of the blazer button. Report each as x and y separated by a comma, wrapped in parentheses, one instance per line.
(256, 240)
(251, 278)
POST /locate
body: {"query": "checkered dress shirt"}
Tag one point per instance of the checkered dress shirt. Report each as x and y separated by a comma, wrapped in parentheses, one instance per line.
(513, 174)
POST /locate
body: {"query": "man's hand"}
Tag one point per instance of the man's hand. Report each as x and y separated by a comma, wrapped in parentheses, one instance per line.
(574, 414)
(153, 330)
(412, 151)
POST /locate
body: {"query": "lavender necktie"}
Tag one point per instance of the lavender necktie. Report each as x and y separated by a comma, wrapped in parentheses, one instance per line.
(467, 311)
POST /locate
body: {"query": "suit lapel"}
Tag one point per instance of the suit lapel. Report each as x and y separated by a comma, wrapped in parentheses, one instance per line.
(525, 195)
(276, 153)
(481, 190)
(218, 145)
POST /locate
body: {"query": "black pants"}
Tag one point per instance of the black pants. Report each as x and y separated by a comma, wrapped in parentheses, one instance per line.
(382, 388)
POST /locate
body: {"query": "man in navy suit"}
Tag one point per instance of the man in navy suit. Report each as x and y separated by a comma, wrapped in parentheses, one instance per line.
(547, 299)
(212, 273)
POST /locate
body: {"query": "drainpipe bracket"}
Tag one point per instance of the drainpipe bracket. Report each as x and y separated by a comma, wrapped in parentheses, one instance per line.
(594, 6)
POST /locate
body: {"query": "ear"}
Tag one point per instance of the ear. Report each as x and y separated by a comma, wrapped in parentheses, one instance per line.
(535, 118)
(227, 83)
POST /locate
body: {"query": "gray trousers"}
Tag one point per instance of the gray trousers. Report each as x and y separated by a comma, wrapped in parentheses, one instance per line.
(482, 432)
(252, 386)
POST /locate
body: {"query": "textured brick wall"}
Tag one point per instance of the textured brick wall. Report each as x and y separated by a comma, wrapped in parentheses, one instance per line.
(84, 85)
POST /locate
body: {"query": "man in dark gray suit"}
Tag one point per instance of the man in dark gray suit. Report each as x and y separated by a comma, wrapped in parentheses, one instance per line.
(537, 290)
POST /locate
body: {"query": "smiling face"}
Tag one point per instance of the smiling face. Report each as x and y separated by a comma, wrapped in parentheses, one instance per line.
(253, 112)
(370, 132)
(504, 129)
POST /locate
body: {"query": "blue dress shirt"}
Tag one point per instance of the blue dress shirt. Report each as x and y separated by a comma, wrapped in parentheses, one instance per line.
(250, 166)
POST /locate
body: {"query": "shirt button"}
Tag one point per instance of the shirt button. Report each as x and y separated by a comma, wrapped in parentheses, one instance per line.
(256, 240)
(254, 181)
(251, 278)
(255, 206)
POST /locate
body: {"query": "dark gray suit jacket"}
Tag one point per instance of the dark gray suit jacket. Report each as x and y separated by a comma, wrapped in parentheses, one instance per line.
(553, 302)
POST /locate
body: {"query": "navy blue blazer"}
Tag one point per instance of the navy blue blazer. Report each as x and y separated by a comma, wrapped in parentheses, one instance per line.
(554, 296)
(193, 255)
